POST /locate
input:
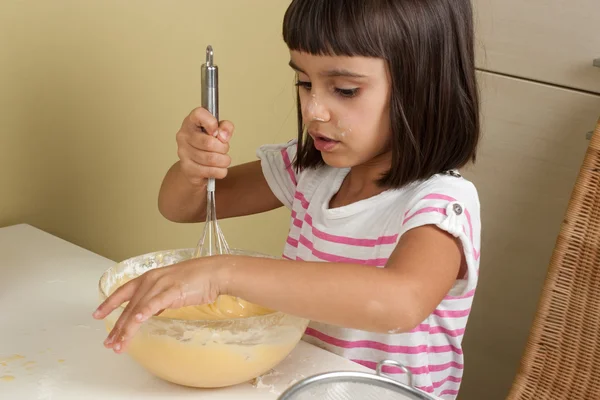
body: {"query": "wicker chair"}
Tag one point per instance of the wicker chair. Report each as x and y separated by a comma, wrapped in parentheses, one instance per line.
(562, 357)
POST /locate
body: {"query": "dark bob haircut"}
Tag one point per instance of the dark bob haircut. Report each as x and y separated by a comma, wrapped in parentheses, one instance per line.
(429, 49)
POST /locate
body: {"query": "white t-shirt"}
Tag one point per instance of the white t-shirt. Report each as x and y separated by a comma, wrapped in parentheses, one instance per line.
(366, 232)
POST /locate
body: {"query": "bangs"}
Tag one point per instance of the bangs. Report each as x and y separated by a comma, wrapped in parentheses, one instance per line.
(334, 27)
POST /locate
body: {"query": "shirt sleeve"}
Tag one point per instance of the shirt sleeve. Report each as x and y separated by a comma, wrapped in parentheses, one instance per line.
(451, 204)
(276, 161)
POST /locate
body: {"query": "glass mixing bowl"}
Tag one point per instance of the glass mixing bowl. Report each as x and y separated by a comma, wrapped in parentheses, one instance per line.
(203, 353)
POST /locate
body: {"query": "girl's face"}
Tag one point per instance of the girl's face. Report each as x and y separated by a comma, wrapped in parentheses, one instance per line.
(345, 106)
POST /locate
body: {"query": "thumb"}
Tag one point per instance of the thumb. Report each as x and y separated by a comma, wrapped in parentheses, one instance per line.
(225, 131)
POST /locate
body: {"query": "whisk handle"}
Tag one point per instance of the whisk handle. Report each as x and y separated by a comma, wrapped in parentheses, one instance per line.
(210, 84)
(210, 93)
(211, 185)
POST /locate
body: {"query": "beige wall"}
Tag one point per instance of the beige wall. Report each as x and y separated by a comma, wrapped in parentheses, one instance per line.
(92, 94)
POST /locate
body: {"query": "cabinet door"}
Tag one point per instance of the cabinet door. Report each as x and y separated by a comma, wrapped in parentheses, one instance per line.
(553, 41)
(534, 141)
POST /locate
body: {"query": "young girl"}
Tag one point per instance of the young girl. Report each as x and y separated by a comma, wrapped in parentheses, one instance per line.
(383, 248)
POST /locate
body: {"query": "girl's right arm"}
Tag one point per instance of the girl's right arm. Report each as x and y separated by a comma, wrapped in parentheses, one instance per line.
(240, 190)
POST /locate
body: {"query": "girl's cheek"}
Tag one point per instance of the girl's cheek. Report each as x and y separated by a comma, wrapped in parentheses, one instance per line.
(343, 129)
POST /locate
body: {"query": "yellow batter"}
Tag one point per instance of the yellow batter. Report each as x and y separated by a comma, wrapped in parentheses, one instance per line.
(207, 366)
(225, 307)
(206, 356)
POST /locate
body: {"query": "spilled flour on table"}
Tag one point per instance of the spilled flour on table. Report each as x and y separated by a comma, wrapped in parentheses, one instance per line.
(267, 381)
(272, 381)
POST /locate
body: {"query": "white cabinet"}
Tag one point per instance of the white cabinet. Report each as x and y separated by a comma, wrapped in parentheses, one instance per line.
(552, 41)
(533, 145)
(540, 96)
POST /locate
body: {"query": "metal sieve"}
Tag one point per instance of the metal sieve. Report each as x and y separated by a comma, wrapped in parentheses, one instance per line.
(352, 385)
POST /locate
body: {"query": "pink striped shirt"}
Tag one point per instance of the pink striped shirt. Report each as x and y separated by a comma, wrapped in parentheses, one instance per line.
(366, 232)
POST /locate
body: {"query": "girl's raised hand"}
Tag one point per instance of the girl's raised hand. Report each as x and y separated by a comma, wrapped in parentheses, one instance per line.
(203, 146)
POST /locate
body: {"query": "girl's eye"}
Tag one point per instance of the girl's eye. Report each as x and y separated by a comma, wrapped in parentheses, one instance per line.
(304, 85)
(342, 92)
(347, 92)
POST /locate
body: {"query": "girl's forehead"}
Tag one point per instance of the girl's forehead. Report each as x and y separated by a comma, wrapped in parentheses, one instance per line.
(321, 64)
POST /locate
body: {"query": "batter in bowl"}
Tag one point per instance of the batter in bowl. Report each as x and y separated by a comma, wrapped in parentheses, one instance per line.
(224, 308)
(214, 355)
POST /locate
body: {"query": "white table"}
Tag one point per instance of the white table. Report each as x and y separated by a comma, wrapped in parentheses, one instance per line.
(51, 348)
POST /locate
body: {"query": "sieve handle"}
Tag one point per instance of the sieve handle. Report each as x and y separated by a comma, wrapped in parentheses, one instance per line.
(392, 363)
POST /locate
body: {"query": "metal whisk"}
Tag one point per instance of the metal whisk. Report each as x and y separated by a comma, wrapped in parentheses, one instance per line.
(212, 242)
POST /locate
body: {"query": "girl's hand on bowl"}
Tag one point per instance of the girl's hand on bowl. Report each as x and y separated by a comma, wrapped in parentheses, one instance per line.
(192, 282)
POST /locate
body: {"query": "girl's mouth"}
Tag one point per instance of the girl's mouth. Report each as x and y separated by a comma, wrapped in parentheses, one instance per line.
(324, 143)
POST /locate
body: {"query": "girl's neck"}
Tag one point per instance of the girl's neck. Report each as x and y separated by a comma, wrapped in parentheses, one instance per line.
(361, 182)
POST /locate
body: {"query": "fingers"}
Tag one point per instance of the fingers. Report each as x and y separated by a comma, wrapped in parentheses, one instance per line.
(155, 300)
(202, 147)
(121, 295)
(162, 288)
(207, 159)
(116, 334)
(203, 157)
(226, 129)
(157, 304)
(145, 282)
(202, 119)
(198, 173)
(206, 143)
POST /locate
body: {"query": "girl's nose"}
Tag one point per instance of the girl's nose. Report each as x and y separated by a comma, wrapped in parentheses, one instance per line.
(316, 110)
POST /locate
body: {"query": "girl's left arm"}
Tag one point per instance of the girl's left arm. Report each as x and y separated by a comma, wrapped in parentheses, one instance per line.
(419, 273)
